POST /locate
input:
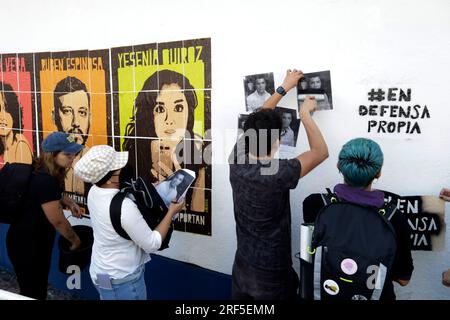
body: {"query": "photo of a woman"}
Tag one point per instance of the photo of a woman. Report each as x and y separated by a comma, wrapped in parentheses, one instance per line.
(14, 146)
(167, 115)
(287, 134)
(289, 126)
(174, 187)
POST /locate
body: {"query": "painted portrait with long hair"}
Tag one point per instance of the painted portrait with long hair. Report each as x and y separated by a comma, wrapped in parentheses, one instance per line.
(167, 115)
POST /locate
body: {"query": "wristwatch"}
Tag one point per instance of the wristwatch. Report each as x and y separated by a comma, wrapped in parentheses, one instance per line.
(281, 91)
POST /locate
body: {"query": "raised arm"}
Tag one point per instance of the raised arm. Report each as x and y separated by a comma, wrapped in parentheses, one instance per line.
(318, 150)
(290, 81)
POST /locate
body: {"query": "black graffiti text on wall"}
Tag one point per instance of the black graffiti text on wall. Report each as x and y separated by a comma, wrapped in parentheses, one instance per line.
(424, 225)
(13, 64)
(166, 56)
(72, 63)
(391, 111)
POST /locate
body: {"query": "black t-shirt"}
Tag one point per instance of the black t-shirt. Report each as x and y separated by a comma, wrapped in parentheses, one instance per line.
(402, 267)
(33, 230)
(262, 209)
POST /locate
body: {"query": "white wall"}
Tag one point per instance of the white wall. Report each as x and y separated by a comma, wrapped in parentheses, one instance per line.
(365, 44)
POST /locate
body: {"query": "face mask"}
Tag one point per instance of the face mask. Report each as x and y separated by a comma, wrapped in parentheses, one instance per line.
(126, 174)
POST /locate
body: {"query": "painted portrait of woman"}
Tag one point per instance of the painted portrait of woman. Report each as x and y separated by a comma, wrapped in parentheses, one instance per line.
(167, 116)
(14, 146)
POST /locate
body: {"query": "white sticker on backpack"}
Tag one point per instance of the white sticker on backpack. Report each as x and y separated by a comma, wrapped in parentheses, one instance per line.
(349, 266)
(331, 287)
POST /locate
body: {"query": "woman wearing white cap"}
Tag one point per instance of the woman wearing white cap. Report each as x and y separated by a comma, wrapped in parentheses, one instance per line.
(117, 264)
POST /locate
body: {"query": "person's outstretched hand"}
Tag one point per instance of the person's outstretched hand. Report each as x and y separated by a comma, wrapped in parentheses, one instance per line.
(445, 194)
(76, 211)
(291, 79)
(176, 207)
(308, 106)
(446, 278)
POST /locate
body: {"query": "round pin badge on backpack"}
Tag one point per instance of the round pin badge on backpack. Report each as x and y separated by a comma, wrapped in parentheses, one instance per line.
(349, 266)
(331, 287)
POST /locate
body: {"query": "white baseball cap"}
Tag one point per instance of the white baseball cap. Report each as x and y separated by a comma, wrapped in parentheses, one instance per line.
(98, 161)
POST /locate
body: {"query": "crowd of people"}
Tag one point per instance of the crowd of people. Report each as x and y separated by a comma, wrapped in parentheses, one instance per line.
(261, 184)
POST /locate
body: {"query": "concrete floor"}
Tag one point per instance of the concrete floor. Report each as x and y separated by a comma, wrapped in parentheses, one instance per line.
(9, 283)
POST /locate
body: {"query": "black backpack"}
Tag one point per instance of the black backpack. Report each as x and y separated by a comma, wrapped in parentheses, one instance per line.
(149, 203)
(354, 247)
(14, 180)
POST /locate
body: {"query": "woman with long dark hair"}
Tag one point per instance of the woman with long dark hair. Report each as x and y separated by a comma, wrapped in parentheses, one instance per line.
(167, 116)
(30, 239)
(14, 147)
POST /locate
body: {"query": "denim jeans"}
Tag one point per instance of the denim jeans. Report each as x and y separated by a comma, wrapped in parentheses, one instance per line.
(124, 289)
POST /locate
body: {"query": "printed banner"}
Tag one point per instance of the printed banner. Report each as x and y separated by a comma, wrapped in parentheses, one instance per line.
(426, 218)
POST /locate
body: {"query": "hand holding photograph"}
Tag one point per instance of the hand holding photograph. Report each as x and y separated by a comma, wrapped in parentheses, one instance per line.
(318, 85)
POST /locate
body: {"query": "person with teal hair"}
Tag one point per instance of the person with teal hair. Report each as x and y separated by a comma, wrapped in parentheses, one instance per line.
(360, 162)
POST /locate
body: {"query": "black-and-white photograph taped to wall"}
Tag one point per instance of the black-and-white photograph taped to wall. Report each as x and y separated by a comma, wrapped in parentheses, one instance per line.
(318, 85)
(290, 126)
(258, 88)
(175, 186)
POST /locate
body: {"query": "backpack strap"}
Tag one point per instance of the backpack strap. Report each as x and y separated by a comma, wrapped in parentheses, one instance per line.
(329, 197)
(388, 210)
(115, 212)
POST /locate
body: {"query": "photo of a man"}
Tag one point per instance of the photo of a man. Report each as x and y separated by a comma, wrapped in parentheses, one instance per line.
(72, 114)
(264, 88)
(318, 85)
(74, 96)
(315, 82)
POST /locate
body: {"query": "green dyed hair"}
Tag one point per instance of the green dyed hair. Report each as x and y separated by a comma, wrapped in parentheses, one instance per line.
(360, 160)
